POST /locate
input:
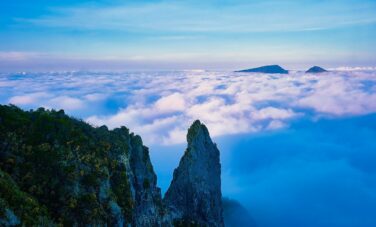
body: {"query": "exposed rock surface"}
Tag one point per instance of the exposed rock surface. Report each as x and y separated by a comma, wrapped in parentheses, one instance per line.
(56, 170)
(316, 69)
(194, 195)
(148, 201)
(271, 69)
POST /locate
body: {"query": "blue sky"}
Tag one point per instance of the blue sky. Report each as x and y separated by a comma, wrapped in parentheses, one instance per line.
(143, 35)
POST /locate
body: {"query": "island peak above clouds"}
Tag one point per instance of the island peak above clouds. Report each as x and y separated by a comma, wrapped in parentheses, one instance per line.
(266, 69)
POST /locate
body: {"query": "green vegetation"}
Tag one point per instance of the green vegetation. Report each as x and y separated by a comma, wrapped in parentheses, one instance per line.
(23, 205)
(53, 168)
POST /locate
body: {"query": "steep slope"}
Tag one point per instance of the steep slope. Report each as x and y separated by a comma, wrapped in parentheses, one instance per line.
(194, 195)
(80, 174)
(148, 201)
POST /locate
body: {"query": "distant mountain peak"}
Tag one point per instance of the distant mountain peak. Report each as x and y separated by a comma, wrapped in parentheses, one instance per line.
(316, 69)
(266, 69)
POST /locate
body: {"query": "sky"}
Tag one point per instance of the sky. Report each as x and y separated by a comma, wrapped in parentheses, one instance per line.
(167, 35)
(296, 149)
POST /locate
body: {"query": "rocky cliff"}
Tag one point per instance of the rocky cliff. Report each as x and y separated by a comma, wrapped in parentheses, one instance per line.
(194, 195)
(56, 170)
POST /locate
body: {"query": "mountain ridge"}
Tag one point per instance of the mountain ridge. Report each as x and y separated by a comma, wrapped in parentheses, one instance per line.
(57, 170)
(271, 69)
(316, 69)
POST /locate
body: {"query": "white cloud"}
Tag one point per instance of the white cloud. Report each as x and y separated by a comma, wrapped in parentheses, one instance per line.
(272, 113)
(346, 68)
(28, 99)
(95, 97)
(19, 56)
(171, 103)
(66, 103)
(339, 96)
(275, 124)
(160, 106)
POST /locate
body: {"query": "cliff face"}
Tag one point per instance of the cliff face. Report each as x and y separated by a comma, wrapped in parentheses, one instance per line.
(58, 170)
(148, 201)
(194, 195)
(74, 173)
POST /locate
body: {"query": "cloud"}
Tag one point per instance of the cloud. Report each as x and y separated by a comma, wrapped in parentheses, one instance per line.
(272, 113)
(95, 97)
(339, 96)
(317, 173)
(19, 56)
(171, 103)
(47, 100)
(160, 106)
(275, 124)
(66, 103)
(27, 99)
(346, 68)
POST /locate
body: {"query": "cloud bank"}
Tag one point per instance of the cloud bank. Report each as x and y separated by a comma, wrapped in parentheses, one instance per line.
(161, 105)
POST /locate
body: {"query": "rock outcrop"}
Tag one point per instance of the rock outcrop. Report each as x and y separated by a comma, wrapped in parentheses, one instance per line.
(270, 69)
(56, 170)
(194, 195)
(148, 201)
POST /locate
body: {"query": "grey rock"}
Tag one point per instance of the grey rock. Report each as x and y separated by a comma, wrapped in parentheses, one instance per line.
(148, 201)
(194, 195)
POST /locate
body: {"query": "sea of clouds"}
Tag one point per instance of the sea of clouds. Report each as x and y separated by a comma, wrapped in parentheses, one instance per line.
(161, 105)
(296, 149)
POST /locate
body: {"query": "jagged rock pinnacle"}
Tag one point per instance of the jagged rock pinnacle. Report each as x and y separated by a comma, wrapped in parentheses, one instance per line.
(197, 130)
(194, 195)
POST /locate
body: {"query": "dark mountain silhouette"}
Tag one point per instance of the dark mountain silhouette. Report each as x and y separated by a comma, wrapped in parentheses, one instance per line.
(316, 69)
(266, 69)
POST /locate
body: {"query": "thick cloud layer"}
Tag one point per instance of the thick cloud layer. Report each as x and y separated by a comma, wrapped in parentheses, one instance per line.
(161, 105)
